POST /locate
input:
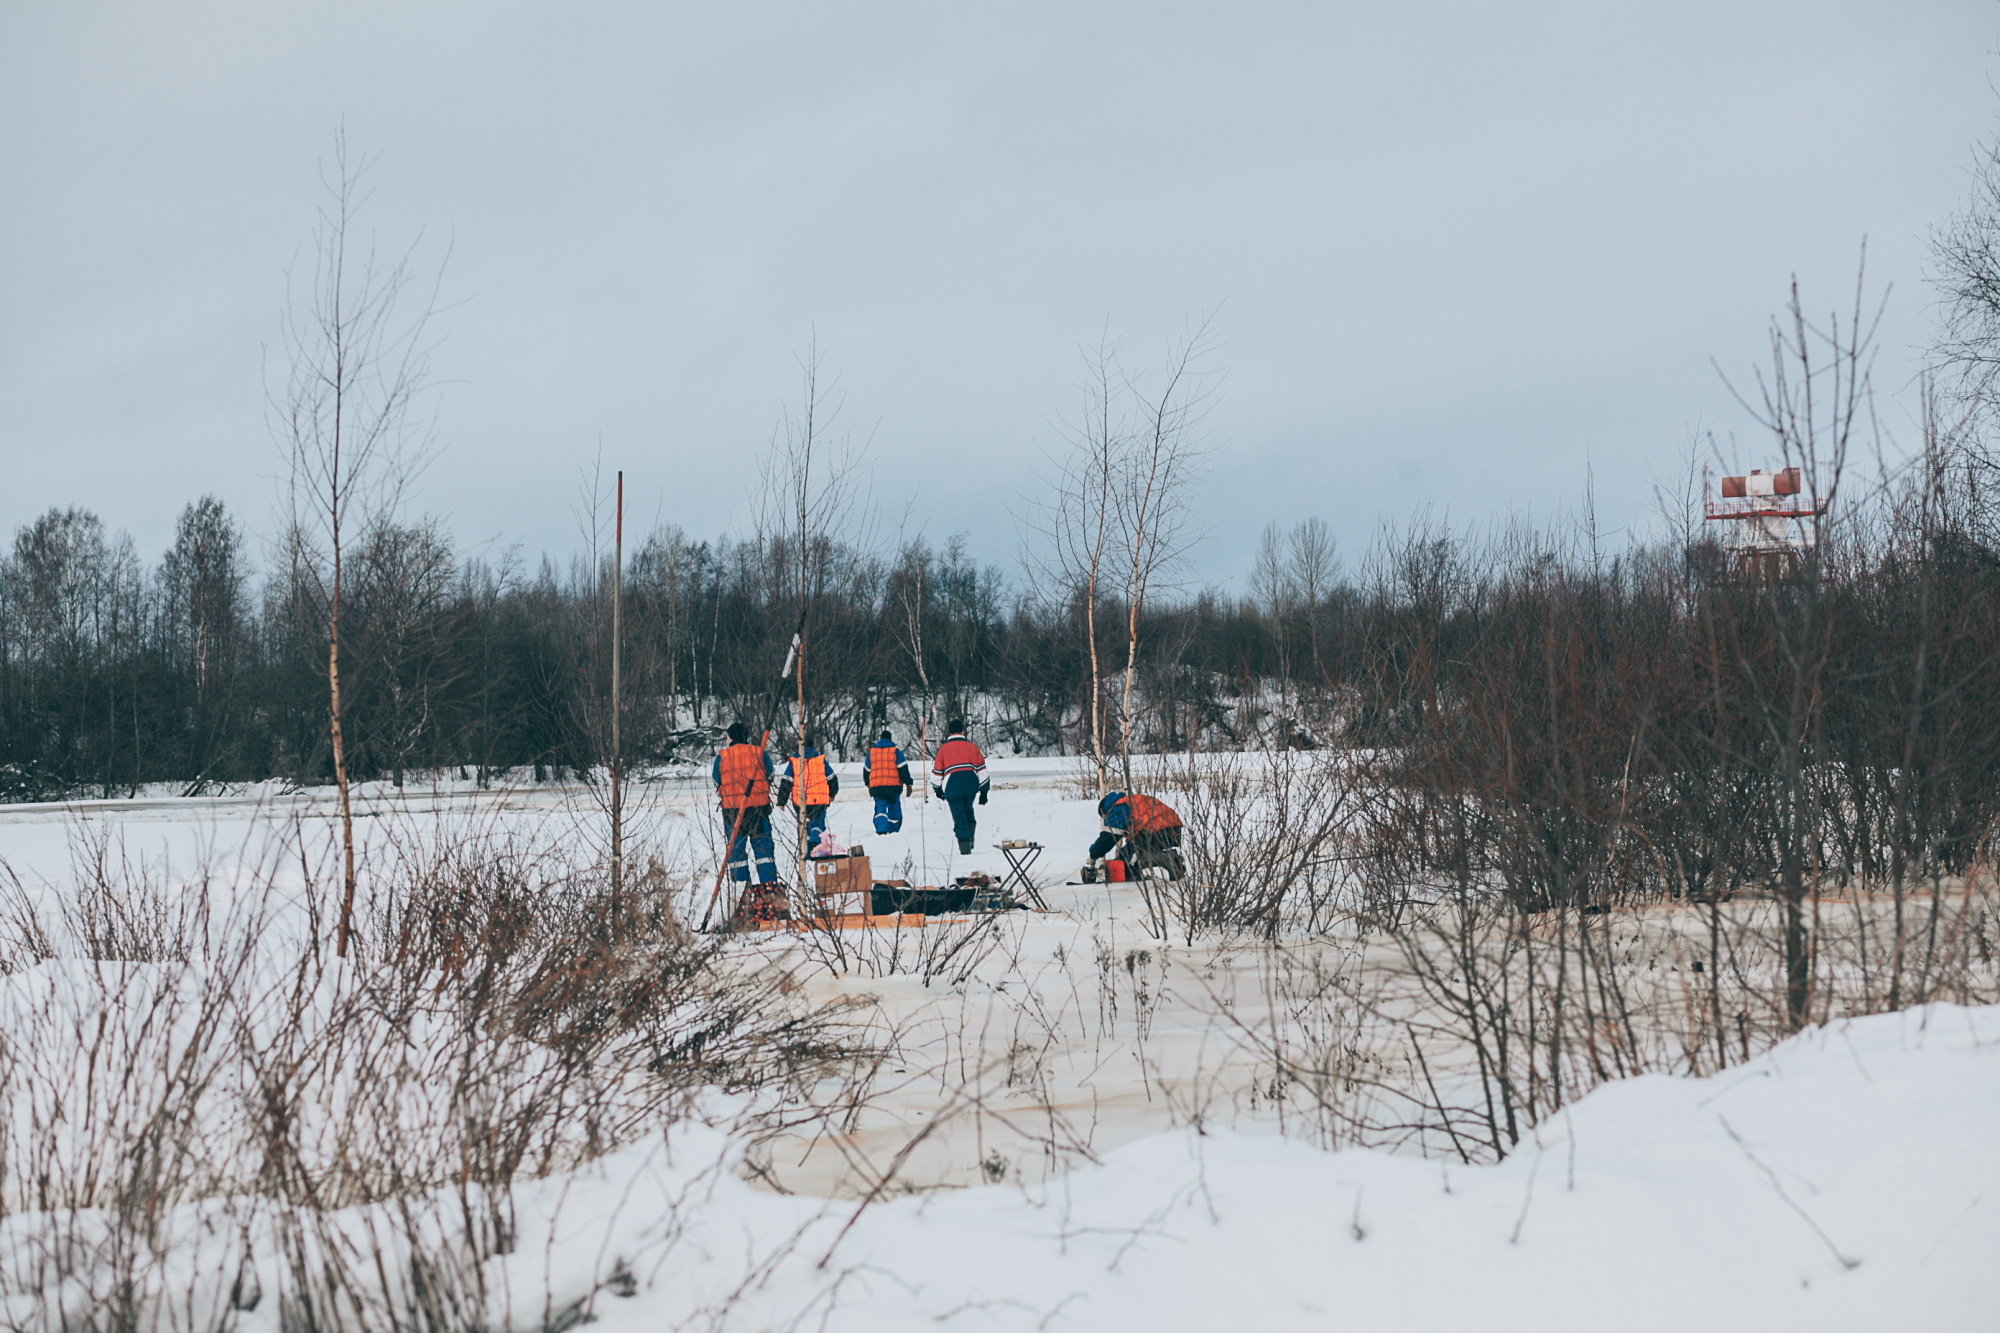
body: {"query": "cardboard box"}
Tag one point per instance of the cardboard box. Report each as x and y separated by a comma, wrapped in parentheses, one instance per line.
(842, 874)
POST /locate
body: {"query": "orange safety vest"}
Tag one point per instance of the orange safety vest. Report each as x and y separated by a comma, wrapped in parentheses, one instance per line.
(744, 782)
(1149, 815)
(882, 767)
(809, 780)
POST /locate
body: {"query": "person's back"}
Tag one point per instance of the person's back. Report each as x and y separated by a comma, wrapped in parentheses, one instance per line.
(886, 768)
(958, 775)
(959, 769)
(809, 780)
(742, 774)
(887, 778)
(817, 783)
(1150, 814)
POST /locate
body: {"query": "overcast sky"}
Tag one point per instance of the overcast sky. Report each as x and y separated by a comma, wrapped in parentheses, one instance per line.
(1458, 250)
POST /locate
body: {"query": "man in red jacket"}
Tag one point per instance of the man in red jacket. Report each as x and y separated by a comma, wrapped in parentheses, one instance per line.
(958, 776)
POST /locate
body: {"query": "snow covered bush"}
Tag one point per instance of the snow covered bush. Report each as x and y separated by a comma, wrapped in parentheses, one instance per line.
(203, 1110)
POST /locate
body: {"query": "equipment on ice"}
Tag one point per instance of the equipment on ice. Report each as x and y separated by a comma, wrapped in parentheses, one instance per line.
(1021, 855)
(847, 896)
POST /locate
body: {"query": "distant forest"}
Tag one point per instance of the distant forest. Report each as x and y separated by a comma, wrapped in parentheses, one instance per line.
(197, 672)
(1568, 668)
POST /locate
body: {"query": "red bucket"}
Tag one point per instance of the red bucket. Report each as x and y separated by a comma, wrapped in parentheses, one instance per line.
(1114, 872)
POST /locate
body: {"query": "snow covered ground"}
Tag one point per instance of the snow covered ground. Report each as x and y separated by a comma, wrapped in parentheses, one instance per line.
(1122, 1159)
(1848, 1179)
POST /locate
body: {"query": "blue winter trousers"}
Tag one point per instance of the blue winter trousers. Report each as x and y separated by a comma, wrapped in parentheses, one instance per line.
(752, 841)
(888, 809)
(963, 822)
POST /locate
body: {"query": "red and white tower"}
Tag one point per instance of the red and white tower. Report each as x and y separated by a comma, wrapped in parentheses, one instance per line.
(1768, 518)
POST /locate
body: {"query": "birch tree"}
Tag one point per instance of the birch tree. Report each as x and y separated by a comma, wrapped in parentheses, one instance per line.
(1154, 495)
(1077, 523)
(809, 498)
(1120, 517)
(357, 353)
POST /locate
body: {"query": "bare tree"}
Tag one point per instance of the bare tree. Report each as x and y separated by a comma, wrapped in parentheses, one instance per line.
(347, 418)
(1077, 524)
(1275, 591)
(1817, 402)
(600, 579)
(1291, 581)
(80, 602)
(911, 594)
(811, 487)
(617, 702)
(396, 602)
(1965, 270)
(1154, 494)
(1315, 565)
(1119, 512)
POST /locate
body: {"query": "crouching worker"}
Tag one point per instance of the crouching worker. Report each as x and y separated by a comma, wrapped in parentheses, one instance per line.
(1150, 828)
(958, 776)
(888, 780)
(813, 784)
(743, 787)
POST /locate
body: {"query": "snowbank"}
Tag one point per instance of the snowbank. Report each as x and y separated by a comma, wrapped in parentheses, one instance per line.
(1849, 1179)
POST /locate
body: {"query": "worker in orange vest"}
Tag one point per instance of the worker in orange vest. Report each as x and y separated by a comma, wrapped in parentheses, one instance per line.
(1150, 828)
(888, 781)
(958, 776)
(743, 786)
(812, 781)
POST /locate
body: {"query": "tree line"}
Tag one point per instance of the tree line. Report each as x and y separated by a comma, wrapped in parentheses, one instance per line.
(199, 670)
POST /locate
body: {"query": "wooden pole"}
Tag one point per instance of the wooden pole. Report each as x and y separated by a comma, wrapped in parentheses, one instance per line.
(617, 774)
(799, 769)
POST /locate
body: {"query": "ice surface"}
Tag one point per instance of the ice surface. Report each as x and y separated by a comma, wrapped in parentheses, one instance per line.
(1848, 1179)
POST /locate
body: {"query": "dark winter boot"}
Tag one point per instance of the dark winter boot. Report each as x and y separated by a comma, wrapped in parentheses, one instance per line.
(965, 846)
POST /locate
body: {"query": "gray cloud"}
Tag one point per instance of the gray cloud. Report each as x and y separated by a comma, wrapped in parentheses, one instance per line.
(1459, 250)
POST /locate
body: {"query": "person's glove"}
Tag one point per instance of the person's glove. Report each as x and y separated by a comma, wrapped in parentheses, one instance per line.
(982, 798)
(909, 789)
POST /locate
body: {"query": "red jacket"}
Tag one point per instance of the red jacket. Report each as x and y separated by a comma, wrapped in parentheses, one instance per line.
(959, 771)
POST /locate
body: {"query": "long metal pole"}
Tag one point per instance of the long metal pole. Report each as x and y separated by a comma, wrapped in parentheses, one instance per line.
(617, 774)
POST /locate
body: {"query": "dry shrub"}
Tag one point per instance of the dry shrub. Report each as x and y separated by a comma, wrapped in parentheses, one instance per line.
(343, 1136)
(1265, 839)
